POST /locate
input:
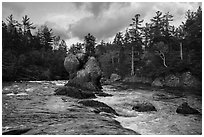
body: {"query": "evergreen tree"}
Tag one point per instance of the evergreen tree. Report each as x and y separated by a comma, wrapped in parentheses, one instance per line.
(136, 37)
(89, 41)
(46, 37)
(156, 32)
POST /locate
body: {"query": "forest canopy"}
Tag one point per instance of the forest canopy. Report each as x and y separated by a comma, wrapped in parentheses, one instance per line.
(154, 49)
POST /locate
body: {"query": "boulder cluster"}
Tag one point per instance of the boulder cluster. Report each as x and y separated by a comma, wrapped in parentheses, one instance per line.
(84, 72)
(185, 80)
(84, 77)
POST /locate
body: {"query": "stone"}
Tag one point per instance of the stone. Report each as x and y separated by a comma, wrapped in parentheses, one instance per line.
(74, 92)
(171, 81)
(89, 77)
(71, 63)
(102, 94)
(99, 106)
(143, 106)
(92, 67)
(115, 77)
(184, 108)
(83, 76)
(81, 57)
(16, 131)
(158, 82)
(188, 80)
(165, 96)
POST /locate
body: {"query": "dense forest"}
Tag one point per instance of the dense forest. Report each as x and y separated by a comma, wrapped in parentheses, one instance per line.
(151, 50)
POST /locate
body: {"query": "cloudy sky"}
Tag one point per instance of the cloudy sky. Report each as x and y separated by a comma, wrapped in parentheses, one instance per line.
(72, 21)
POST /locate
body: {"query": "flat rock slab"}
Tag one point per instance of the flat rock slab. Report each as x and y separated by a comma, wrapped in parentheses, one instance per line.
(74, 92)
(42, 113)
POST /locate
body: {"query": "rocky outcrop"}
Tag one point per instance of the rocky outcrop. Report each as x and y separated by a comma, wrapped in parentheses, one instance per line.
(158, 82)
(188, 80)
(84, 71)
(143, 106)
(172, 81)
(184, 108)
(41, 113)
(165, 96)
(16, 131)
(73, 92)
(185, 80)
(71, 64)
(98, 106)
(115, 77)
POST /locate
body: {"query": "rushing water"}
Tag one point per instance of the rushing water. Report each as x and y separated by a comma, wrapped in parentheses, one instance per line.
(164, 121)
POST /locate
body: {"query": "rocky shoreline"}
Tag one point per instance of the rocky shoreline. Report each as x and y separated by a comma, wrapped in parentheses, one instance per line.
(31, 108)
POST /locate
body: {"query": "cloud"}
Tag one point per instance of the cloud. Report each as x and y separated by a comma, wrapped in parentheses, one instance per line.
(16, 8)
(96, 8)
(107, 19)
(104, 24)
(57, 30)
(102, 19)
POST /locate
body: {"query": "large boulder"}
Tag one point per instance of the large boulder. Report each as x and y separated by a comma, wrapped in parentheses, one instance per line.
(89, 77)
(73, 92)
(71, 64)
(188, 80)
(114, 77)
(172, 81)
(184, 108)
(83, 76)
(81, 57)
(98, 106)
(158, 82)
(92, 67)
(143, 106)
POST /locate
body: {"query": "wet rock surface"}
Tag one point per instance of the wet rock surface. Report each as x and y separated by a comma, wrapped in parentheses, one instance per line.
(102, 94)
(184, 108)
(74, 92)
(143, 106)
(31, 108)
(99, 106)
(164, 121)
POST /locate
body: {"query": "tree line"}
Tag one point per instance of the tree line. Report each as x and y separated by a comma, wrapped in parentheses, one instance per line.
(27, 56)
(151, 50)
(155, 49)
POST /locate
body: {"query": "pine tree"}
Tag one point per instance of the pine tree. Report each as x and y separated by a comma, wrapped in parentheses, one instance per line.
(89, 41)
(136, 37)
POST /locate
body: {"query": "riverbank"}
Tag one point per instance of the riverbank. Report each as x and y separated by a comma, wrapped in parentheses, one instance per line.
(31, 108)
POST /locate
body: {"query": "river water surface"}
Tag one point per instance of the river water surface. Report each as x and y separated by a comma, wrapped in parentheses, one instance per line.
(33, 105)
(165, 121)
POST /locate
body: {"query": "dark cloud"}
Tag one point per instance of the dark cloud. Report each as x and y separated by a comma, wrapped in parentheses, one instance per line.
(115, 18)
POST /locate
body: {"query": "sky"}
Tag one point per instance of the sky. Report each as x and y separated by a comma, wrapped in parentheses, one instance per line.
(72, 21)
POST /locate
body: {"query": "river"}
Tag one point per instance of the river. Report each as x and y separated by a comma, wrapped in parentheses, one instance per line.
(33, 106)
